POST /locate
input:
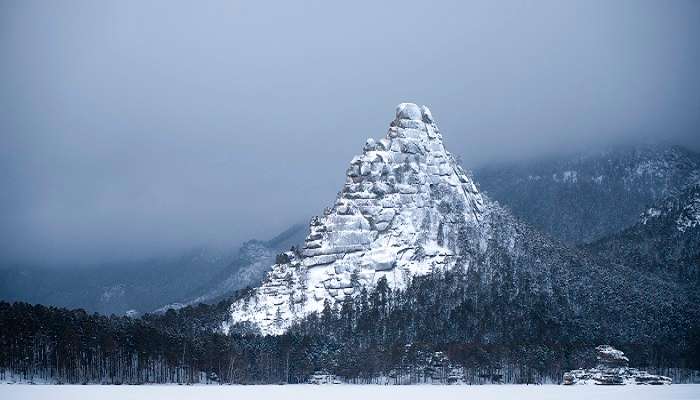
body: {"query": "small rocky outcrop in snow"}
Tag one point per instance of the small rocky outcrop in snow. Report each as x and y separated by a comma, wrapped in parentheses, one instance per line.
(612, 369)
(323, 378)
(398, 214)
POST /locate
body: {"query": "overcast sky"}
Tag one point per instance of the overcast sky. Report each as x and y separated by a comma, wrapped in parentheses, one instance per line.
(131, 129)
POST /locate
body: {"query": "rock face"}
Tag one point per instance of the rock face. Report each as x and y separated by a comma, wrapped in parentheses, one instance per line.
(610, 357)
(612, 369)
(400, 213)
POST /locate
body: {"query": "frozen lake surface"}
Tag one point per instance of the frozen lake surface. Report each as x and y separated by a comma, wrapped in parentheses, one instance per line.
(354, 392)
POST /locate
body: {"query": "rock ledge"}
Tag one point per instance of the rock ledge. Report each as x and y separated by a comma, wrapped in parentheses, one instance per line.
(613, 369)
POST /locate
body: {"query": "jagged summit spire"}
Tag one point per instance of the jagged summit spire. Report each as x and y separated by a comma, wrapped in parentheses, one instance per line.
(408, 111)
(412, 112)
(398, 214)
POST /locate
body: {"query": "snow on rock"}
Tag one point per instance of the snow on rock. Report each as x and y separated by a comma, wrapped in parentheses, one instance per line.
(650, 213)
(409, 111)
(398, 214)
(690, 215)
(612, 369)
(570, 176)
(609, 356)
(685, 208)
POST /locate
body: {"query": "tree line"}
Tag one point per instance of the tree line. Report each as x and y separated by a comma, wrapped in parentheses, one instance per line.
(445, 327)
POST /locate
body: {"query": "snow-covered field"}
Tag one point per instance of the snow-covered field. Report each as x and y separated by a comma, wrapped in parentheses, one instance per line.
(349, 392)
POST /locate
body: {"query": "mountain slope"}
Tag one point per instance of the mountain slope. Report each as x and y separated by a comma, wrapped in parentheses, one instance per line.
(665, 240)
(417, 277)
(399, 214)
(146, 285)
(407, 211)
(116, 287)
(247, 269)
(586, 197)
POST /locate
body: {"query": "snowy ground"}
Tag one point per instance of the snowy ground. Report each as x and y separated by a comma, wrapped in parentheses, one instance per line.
(349, 392)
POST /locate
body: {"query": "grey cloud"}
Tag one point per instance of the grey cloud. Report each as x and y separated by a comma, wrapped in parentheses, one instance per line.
(131, 129)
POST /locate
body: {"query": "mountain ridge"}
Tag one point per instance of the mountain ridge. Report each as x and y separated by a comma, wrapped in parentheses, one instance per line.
(458, 229)
(141, 286)
(664, 241)
(586, 196)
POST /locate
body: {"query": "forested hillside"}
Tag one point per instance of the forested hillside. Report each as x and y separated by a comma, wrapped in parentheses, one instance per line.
(444, 325)
(664, 241)
(583, 197)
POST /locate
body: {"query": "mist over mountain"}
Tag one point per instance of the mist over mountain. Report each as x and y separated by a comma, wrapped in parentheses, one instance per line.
(411, 273)
(529, 213)
(665, 240)
(584, 196)
(579, 198)
(136, 287)
(131, 131)
(408, 210)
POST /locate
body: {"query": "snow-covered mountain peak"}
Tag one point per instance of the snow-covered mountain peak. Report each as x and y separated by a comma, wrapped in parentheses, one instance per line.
(413, 112)
(403, 205)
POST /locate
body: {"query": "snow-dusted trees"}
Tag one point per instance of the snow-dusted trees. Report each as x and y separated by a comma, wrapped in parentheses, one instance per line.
(474, 325)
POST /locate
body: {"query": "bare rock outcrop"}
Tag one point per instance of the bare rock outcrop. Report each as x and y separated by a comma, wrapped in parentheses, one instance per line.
(613, 369)
(399, 214)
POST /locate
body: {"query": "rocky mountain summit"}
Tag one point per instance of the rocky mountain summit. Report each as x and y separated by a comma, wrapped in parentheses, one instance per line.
(412, 276)
(613, 369)
(409, 217)
(400, 213)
